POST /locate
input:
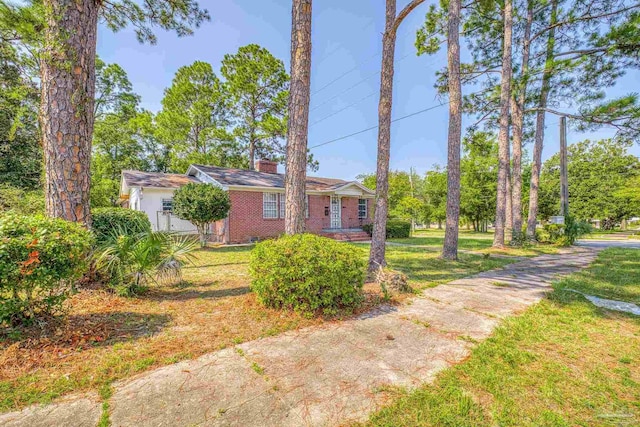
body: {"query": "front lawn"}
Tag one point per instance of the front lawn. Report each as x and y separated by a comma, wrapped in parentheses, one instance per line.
(432, 239)
(106, 337)
(563, 362)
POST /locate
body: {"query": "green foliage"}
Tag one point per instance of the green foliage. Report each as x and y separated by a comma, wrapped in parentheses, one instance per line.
(106, 221)
(133, 261)
(435, 193)
(407, 198)
(396, 229)
(479, 174)
(598, 173)
(201, 204)
(307, 273)
(40, 258)
(176, 15)
(194, 118)
(20, 201)
(258, 86)
(20, 151)
(563, 234)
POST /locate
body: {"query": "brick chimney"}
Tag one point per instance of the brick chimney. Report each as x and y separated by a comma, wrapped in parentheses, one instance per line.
(267, 166)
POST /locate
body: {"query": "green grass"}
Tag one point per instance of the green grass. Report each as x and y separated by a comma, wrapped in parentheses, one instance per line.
(563, 362)
(426, 268)
(432, 239)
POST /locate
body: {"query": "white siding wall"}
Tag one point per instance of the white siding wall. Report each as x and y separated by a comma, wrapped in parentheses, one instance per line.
(149, 201)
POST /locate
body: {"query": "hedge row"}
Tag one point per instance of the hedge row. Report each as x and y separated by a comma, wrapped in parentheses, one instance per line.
(396, 229)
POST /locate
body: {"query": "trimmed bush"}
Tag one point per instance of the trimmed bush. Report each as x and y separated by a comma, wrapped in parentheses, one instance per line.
(201, 204)
(108, 221)
(40, 259)
(396, 229)
(307, 273)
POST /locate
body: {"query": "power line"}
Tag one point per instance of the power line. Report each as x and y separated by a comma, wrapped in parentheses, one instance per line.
(342, 109)
(344, 74)
(356, 67)
(433, 107)
(345, 91)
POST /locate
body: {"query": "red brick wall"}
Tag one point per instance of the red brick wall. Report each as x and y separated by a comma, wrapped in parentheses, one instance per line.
(246, 221)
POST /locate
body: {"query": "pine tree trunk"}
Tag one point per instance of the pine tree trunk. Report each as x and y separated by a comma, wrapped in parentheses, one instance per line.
(503, 135)
(517, 117)
(252, 154)
(450, 245)
(67, 73)
(378, 236)
(299, 96)
(539, 135)
(508, 224)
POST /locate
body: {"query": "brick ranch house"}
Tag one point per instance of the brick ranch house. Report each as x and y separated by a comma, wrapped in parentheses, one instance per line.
(335, 208)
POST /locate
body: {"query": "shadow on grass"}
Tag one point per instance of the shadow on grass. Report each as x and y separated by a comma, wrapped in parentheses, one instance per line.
(185, 295)
(422, 266)
(86, 330)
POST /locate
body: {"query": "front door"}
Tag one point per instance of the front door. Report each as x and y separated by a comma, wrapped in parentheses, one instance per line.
(336, 212)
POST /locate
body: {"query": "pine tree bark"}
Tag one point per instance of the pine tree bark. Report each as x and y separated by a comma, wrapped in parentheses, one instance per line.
(450, 245)
(503, 135)
(540, 119)
(299, 96)
(517, 117)
(378, 236)
(67, 74)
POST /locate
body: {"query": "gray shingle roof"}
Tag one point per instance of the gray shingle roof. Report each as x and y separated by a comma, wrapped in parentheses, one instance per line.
(156, 179)
(228, 176)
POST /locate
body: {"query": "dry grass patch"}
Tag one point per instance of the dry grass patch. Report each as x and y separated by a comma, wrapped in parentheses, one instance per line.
(106, 337)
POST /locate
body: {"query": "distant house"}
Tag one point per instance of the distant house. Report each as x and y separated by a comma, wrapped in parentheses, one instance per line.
(335, 207)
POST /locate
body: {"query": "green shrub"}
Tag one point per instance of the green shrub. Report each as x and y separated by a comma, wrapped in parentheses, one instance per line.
(40, 258)
(201, 204)
(396, 229)
(131, 262)
(563, 234)
(21, 201)
(307, 273)
(107, 221)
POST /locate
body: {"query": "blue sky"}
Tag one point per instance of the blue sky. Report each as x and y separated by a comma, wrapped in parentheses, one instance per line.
(346, 37)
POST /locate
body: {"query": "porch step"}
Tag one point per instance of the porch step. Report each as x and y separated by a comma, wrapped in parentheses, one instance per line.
(347, 236)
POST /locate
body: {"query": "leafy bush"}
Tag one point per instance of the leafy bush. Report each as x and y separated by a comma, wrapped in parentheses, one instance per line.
(396, 229)
(131, 262)
(201, 204)
(563, 234)
(307, 273)
(20, 201)
(106, 221)
(40, 258)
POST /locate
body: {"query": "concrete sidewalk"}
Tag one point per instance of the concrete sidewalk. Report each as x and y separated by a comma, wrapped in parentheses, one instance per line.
(322, 375)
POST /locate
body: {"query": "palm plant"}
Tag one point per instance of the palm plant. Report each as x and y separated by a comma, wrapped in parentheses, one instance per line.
(134, 261)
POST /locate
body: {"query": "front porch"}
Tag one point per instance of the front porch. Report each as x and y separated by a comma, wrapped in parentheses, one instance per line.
(346, 234)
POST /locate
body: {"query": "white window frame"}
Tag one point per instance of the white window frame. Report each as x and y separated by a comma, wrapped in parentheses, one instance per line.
(270, 205)
(164, 205)
(282, 201)
(366, 209)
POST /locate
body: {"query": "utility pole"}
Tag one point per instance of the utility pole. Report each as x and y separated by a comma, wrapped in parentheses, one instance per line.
(413, 223)
(564, 182)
